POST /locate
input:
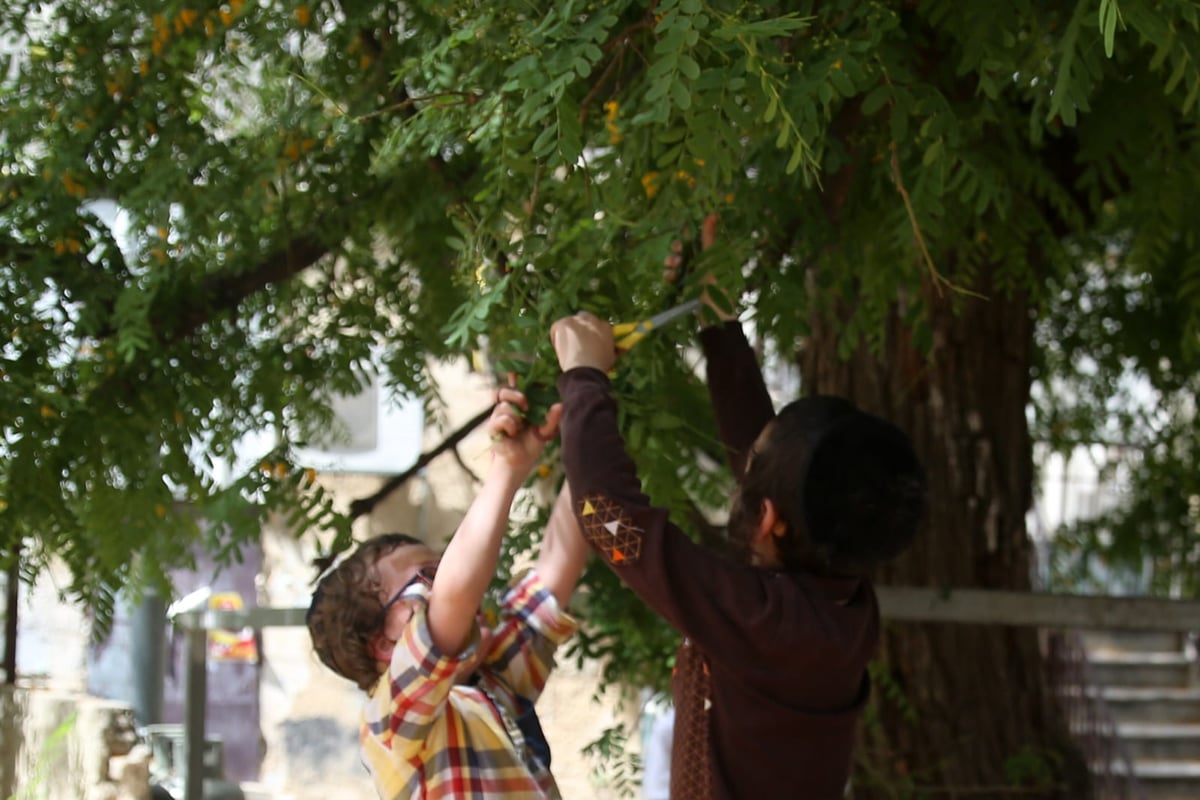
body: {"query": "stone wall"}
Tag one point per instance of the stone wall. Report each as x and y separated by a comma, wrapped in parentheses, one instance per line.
(68, 746)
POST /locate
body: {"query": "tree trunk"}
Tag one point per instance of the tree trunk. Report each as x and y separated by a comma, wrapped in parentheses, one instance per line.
(962, 709)
(12, 595)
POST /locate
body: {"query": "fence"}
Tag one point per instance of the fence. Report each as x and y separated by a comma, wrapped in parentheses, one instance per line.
(1089, 718)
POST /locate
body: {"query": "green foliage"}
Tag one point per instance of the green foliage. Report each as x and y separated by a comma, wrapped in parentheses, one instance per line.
(1033, 768)
(311, 194)
(616, 766)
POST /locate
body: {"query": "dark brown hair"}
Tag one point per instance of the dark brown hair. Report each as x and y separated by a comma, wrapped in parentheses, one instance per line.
(848, 485)
(345, 613)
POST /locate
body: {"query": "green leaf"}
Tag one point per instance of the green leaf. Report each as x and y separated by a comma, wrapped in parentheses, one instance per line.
(681, 95)
(796, 159)
(933, 153)
(876, 99)
(689, 67)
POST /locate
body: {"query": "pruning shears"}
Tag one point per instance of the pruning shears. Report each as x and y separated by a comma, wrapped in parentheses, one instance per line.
(628, 334)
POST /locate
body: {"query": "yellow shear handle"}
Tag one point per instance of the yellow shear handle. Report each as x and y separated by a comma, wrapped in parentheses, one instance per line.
(628, 334)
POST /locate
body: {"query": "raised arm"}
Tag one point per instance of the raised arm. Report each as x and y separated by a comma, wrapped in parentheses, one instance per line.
(564, 550)
(741, 404)
(469, 562)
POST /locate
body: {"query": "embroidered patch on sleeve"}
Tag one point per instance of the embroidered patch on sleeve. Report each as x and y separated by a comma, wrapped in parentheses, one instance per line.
(610, 531)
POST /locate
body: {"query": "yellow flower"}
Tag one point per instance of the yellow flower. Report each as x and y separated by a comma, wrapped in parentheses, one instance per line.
(47, 412)
(302, 16)
(310, 475)
(610, 121)
(160, 510)
(281, 470)
(650, 184)
(543, 471)
(3, 505)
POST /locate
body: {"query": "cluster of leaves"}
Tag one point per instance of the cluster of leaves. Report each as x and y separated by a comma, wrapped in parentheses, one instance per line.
(617, 766)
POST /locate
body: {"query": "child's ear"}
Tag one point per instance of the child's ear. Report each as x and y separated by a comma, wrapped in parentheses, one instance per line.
(770, 523)
(381, 647)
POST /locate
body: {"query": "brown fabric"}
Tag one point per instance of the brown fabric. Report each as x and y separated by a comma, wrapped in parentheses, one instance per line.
(691, 747)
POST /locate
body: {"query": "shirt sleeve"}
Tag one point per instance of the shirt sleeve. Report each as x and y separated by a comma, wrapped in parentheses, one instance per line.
(740, 400)
(412, 693)
(725, 606)
(531, 627)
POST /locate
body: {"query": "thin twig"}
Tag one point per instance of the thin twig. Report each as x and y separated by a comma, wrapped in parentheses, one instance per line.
(938, 278)
(467, 98)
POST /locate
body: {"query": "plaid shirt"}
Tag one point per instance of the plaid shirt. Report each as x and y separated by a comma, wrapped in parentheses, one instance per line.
(423, 736)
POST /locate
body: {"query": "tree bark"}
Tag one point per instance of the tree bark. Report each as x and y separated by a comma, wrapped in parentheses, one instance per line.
(963, 709)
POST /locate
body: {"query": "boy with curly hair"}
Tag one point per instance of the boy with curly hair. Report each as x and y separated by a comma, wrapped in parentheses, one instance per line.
(446, 690)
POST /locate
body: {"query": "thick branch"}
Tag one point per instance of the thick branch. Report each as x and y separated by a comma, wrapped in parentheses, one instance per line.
(364, 505)
(222, 293)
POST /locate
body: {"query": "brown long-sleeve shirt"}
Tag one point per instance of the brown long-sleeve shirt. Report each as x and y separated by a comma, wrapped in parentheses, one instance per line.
(771, 675)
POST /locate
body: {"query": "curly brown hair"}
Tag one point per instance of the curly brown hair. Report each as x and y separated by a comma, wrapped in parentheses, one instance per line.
(345, 613)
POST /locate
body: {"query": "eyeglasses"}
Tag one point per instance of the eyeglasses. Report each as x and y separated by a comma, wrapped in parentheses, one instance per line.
(423, 577)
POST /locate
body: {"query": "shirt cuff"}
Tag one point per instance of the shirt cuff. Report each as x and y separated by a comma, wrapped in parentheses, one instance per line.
(532, 603)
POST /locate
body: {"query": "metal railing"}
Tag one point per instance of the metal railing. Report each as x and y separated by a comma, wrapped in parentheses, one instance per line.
(1089, 718)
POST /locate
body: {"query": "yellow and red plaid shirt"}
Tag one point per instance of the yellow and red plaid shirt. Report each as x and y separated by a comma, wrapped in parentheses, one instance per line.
(423, 736)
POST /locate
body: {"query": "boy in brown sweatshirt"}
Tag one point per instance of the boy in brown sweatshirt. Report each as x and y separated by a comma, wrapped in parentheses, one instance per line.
(772, 673)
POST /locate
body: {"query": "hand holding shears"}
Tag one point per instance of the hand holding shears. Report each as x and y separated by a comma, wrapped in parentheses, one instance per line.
(585, 340)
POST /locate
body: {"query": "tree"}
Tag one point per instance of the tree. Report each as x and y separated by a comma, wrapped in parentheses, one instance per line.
(312, 192)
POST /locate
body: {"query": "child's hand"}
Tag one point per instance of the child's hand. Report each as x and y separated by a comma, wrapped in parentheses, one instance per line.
(584, 340)
(515, 442)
